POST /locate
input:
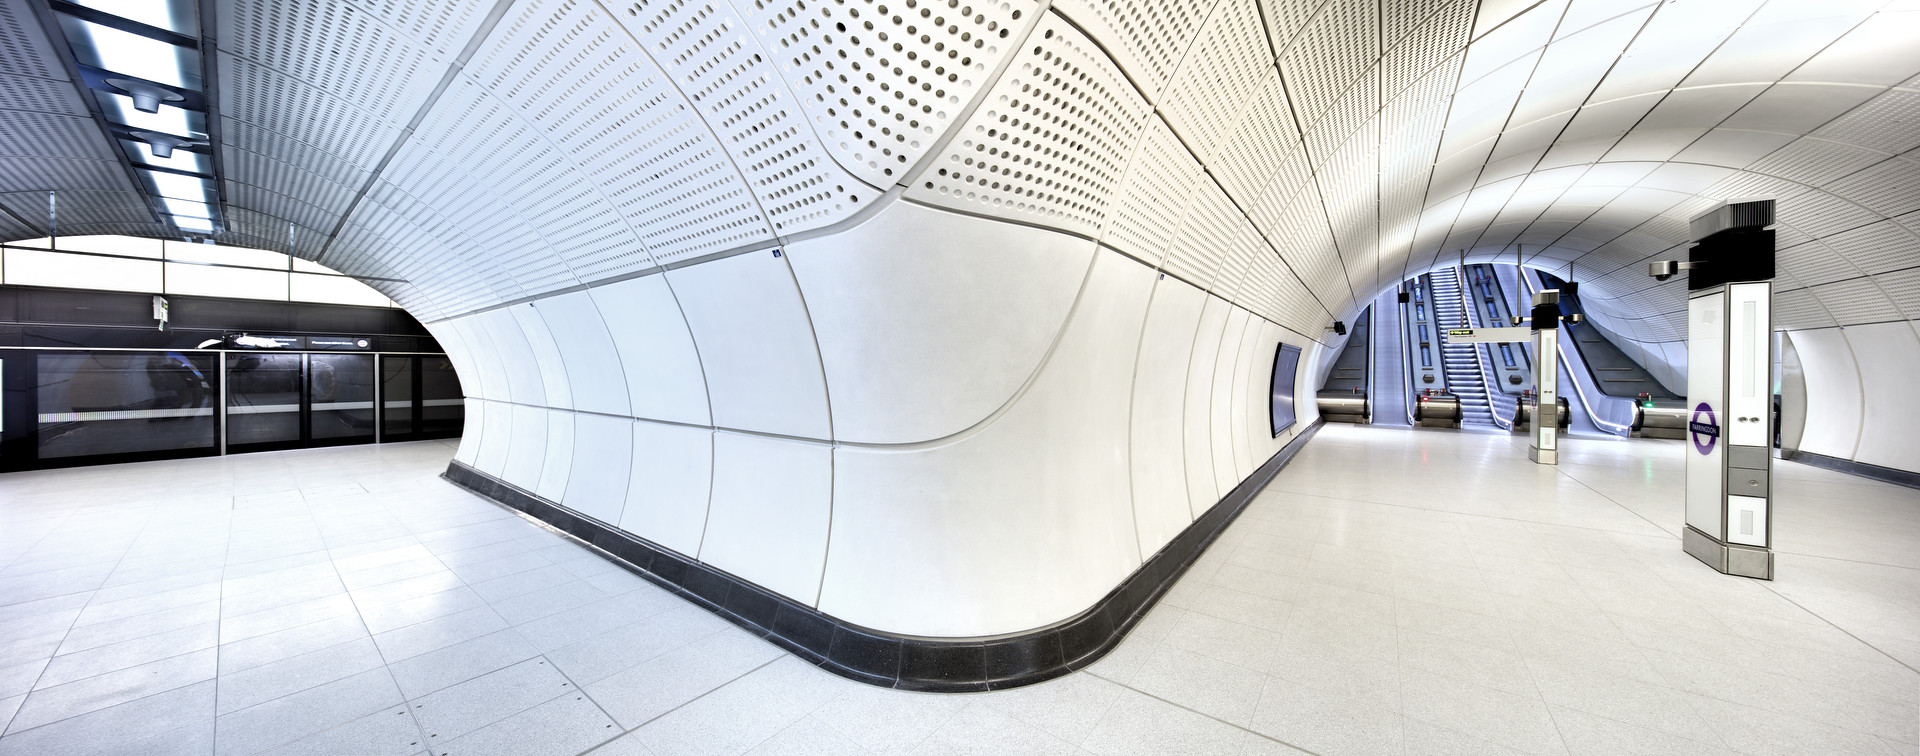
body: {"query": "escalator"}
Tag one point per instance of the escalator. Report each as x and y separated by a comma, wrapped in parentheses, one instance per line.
(1389, 388)
(1343, 397)
(1464, 376)
(1612, 370)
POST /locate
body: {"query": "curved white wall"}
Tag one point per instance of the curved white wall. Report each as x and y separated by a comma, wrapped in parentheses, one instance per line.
(1025, 418)
(1860, 399)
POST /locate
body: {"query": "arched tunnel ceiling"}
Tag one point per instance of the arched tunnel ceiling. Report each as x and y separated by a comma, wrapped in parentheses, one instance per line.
(1293, 156)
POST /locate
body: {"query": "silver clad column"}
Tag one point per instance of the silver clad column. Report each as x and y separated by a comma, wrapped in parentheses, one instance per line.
(1730, 391)
(1544, 434)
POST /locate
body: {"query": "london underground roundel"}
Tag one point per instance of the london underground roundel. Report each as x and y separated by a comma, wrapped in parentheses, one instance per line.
(1705, 434)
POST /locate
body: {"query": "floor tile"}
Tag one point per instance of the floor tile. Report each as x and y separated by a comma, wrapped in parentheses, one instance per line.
(86, 695)
(459, 709)
(1140, 724)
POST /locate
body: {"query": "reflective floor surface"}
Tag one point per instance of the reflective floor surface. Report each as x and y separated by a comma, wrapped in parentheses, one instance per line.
(1394, 591)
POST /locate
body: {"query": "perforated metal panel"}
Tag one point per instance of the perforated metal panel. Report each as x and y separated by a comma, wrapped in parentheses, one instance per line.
(1218, 77)
(1148, 40)
(1151, 202)
(738, 91)
(1329, 55)
(1888, 188)
(1855, 301)
(882, 81)
(1251, 155)
(1888, 123)
(1816, 161)
(1285, 18)
(1877, 248)
(1796, 309)
(1206, 238)
(24, 52)
(1050, 144)
(1441, 34)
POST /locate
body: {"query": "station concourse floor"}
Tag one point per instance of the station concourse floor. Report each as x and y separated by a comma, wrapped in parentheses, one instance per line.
(1393, 591)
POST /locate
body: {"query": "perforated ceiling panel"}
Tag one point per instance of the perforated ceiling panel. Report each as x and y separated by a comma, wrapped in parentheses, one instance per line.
(1050, 143)
(1219, 78)
(883, 81)
(1148, 40)
(738, 89)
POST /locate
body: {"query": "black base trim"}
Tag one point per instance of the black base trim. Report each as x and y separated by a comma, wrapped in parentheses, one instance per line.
(1892, 475)
(887, 659)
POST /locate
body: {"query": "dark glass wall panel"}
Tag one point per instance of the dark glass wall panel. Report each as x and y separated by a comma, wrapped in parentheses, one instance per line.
(443, 407)
(340, 388)
(396, 391)
(107, 403)
(263, 399)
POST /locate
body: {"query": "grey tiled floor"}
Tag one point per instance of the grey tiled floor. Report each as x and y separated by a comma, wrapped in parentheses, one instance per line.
(1392, 592)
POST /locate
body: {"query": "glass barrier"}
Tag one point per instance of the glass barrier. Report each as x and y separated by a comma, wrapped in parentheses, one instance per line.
(116, 403)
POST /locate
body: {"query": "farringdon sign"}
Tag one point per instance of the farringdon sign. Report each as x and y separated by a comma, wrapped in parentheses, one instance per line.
(1705, 434)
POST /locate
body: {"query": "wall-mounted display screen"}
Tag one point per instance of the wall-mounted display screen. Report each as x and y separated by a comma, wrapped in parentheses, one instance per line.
(1285, 360)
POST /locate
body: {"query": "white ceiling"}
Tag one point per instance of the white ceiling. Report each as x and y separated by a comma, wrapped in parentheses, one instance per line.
(1293, 156)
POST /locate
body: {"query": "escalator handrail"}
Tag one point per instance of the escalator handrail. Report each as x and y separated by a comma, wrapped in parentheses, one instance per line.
(1487, 384)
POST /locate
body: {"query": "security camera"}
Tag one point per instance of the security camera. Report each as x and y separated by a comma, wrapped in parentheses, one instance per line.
(1663, 270)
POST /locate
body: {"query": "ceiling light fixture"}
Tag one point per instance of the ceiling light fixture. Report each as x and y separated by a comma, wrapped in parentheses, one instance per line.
(146, 97)
(163, 145)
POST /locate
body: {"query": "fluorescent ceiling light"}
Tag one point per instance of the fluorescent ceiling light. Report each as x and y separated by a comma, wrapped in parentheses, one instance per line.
(169, 120)
(177, 186)
(173, 15)
(127, 53)
(189, 208)
(192, 224)
(180, 160)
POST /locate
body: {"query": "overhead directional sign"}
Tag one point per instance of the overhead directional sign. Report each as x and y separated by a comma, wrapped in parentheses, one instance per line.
(1488, 335)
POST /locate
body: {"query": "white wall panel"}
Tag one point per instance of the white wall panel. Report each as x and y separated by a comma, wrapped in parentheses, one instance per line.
(559, 462)
(1888, 357)
(484, 380)
(1833, 393)
(918, 303)
(1238, 404)
(527, 451)
(772, 501)
(671, 479)
(1019, 525)
(472, 432)
(514, 356)
(1159, 466)
(763, 372)
(1203, 488)
(546, 356)
(496, 440)
(459, 353)
(657, 355)
(597, 381)
(602, 454)
(1227, 454)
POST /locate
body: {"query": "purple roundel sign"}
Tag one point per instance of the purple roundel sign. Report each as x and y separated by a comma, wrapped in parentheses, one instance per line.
(1705, 434)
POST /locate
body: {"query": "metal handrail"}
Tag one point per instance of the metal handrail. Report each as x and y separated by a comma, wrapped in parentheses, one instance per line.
(1466, 299)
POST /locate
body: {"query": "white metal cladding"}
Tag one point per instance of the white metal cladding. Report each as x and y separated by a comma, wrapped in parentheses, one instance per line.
(583, 140)
(718, 64)
(1050, 141)
(1147, 40)
(882, 82)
